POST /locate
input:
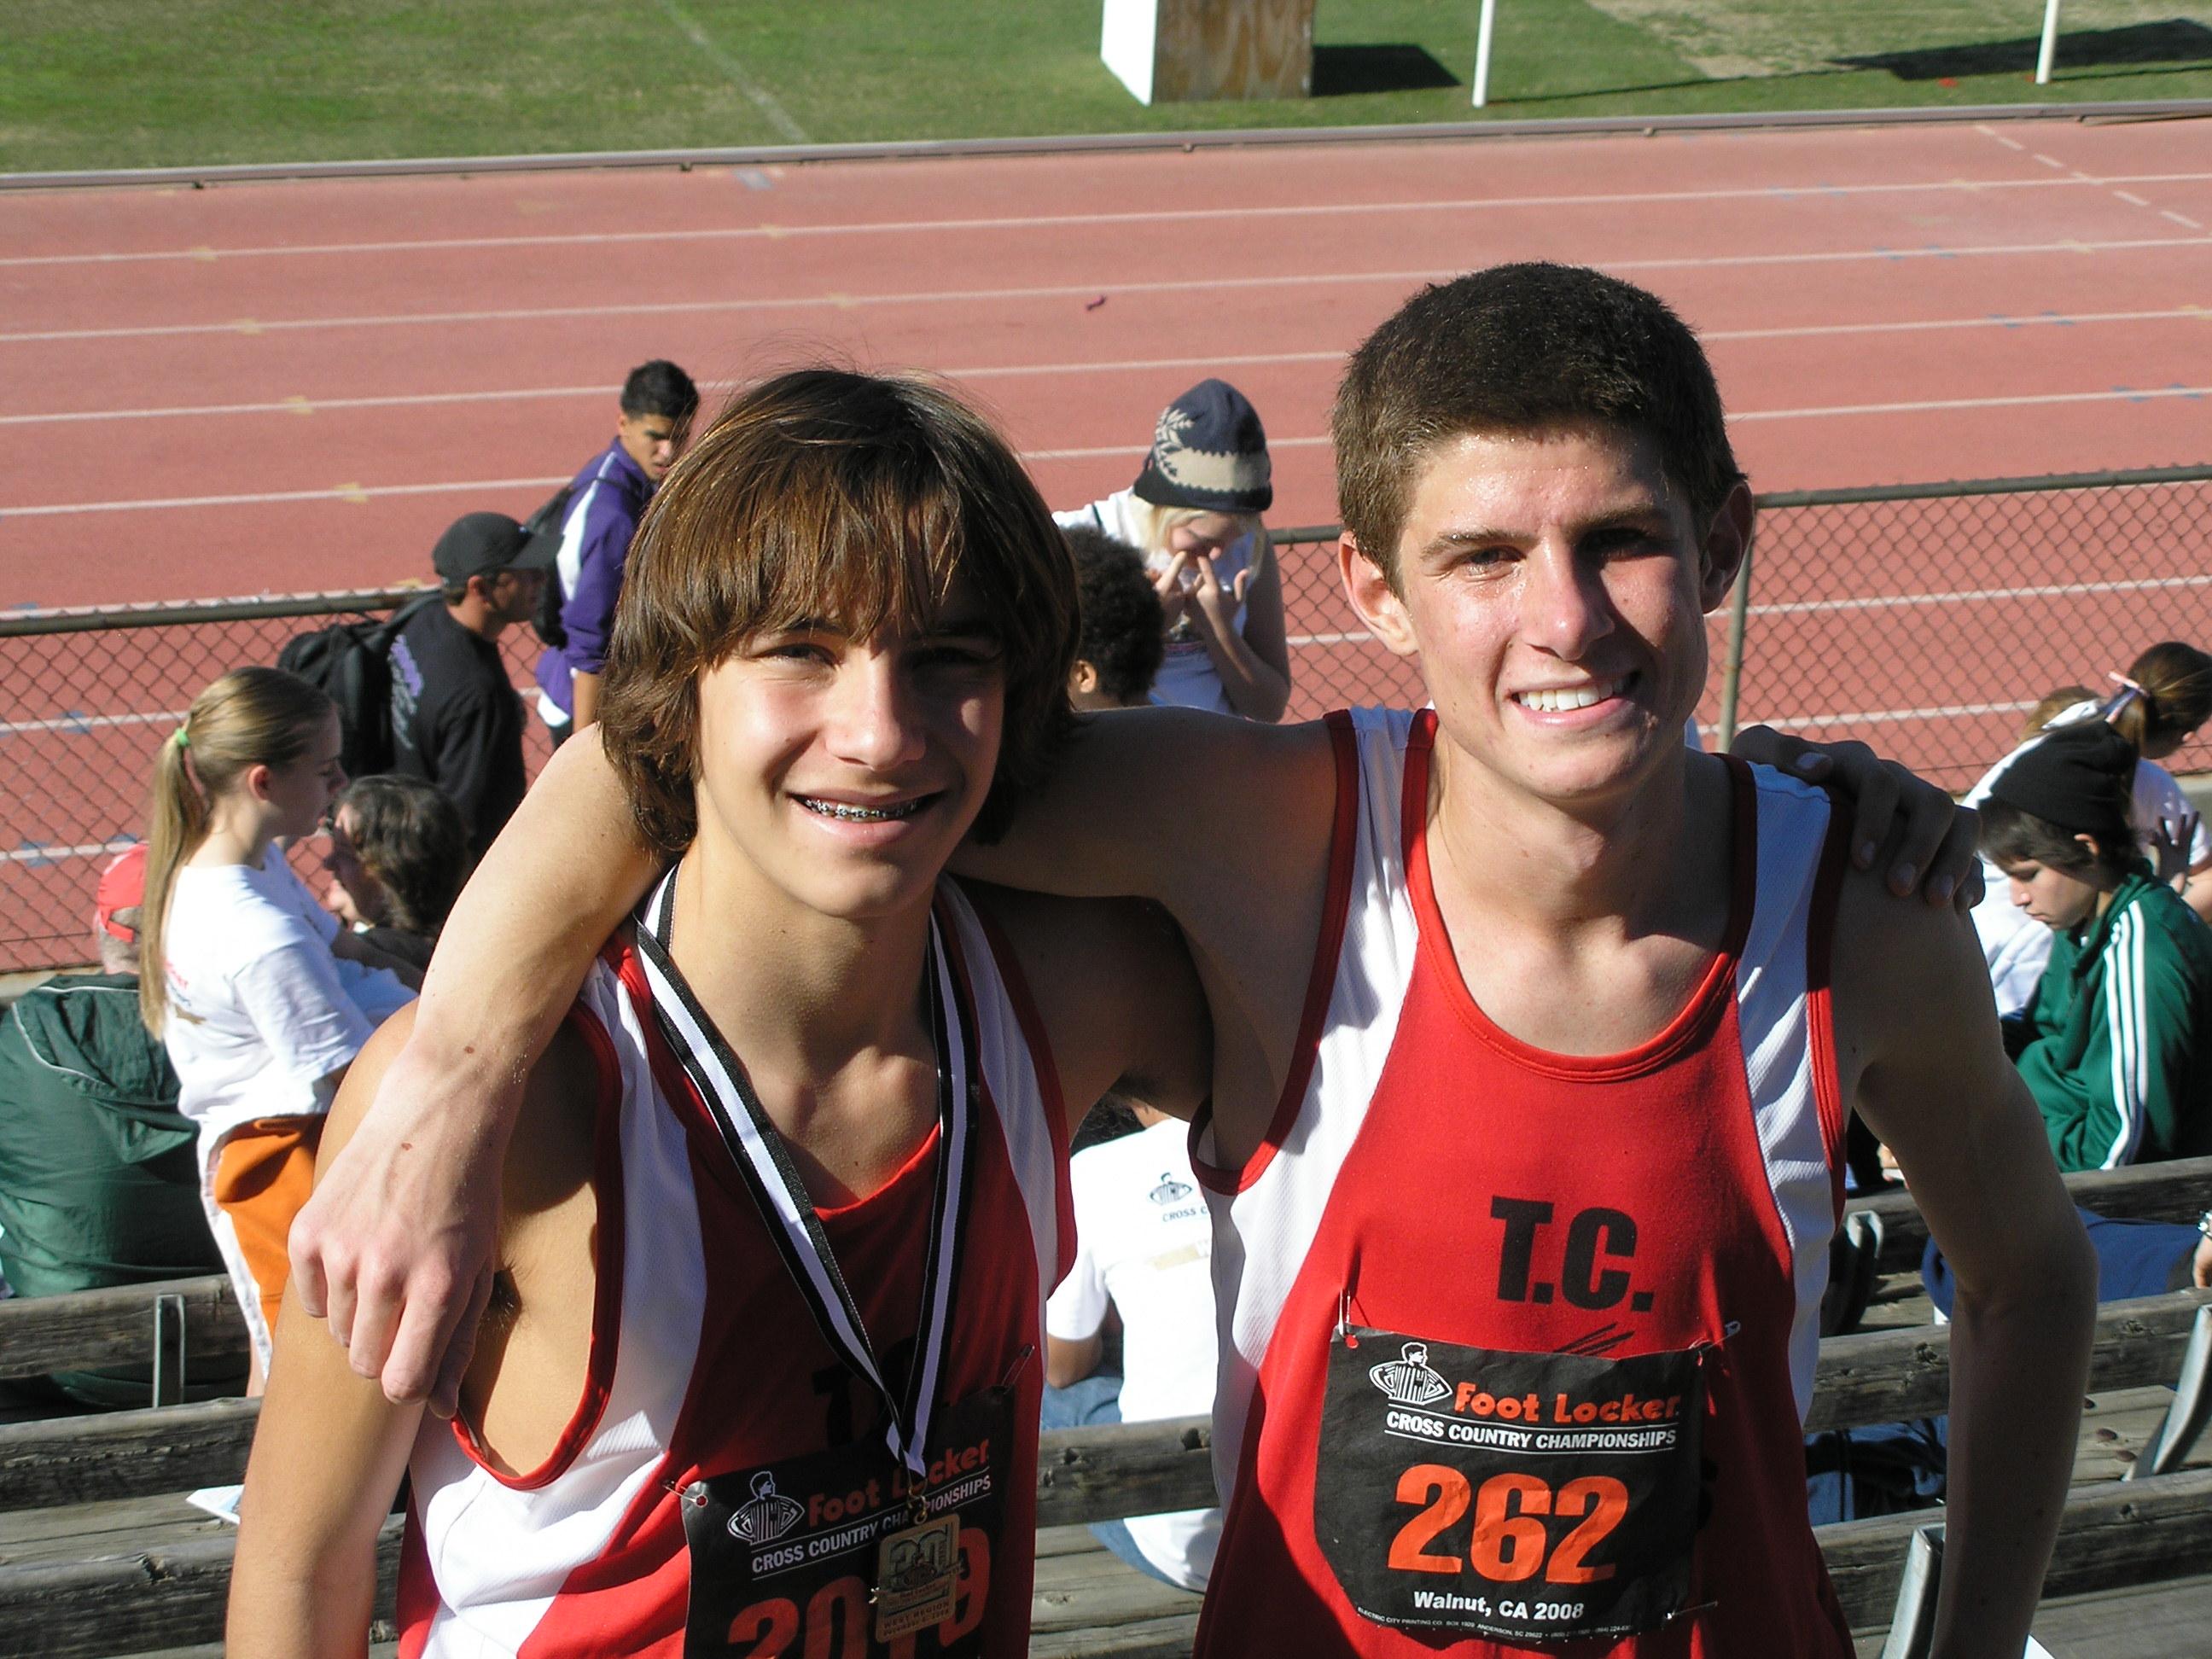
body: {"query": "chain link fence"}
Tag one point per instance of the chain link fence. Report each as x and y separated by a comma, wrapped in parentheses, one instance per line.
(1923, 620)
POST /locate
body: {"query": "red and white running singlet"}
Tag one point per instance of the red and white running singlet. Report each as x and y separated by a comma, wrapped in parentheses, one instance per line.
(1473, 1293)
(706, 1362)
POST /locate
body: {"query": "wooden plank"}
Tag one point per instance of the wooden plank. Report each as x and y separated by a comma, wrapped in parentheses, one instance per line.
(2115, 1533)
(89, 1532)
(100, 1328)
(71, 1460)
(2177, 1190)
(1086, 1475)
(160, 1598)
(1881, 1377)
(1075, 1592)
(94, 1330)
(1167, 1638)
(1238, 49)
(1123, 1469)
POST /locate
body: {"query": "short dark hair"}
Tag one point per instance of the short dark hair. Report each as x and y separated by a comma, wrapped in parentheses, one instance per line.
(659, 388)
(2010, 836)
(853, 499)
(1513, 350)
(408, 834)
(1124, 627)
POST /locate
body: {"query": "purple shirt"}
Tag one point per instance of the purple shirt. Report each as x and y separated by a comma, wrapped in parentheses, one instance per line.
(609, 494)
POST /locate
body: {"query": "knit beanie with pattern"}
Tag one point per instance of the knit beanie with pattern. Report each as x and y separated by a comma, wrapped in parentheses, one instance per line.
(1209, 451)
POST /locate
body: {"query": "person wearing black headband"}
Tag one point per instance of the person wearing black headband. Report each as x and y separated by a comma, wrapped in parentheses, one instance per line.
(2111, 1045)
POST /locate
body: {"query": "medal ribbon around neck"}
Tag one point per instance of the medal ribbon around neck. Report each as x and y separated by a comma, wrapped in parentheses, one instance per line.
(769, 1174)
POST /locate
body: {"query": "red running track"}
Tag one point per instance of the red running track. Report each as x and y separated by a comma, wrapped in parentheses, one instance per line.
(275, 387)
(282, 386)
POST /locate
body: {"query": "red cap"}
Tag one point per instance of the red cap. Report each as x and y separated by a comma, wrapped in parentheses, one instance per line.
(121, 887)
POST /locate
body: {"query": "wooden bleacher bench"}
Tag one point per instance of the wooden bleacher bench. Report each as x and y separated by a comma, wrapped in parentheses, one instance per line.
(1130, 1468)
(2176, 1191)
(99, 1555)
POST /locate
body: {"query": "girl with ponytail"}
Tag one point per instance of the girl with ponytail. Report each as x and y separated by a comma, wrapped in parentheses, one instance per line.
(2165, 696)
(261, 998)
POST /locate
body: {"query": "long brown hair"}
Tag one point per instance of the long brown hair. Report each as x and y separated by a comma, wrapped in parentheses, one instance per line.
(858, 499)
(250, 717)
(2177, 695)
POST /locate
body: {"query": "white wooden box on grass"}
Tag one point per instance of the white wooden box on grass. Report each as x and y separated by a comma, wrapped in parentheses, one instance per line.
(1179, 51)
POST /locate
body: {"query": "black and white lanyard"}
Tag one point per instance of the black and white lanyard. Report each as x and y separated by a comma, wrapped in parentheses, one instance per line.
(765, 1163)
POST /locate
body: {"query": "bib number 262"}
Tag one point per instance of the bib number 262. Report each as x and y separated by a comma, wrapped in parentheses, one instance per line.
(1510, 1542)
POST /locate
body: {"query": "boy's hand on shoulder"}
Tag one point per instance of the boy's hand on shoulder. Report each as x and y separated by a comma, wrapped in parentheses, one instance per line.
(1914, 833)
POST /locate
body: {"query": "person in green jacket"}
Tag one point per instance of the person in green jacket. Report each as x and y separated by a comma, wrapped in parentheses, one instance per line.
(99, 1182)
(2116, 1045)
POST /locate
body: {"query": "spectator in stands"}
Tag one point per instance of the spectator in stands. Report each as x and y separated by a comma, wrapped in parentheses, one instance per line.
(398, 856)
(658, 403)
(456, 718)
(2164, 696)
(1122, 624)
(98, 1183)
(262, 998)
(1195, 514)
(2114, 1045)
(1144, 1248)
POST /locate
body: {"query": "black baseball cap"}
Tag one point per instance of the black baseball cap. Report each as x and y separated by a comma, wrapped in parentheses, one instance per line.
(483, 544)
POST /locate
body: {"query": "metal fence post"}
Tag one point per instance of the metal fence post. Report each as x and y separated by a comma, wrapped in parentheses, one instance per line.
(1732, 666)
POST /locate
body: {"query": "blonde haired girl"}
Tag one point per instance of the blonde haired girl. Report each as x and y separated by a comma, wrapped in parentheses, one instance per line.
(1194, 512)
(262, 1000)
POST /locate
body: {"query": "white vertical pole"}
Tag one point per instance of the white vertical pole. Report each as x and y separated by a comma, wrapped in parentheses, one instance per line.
(2049, 44)
(1482, 51)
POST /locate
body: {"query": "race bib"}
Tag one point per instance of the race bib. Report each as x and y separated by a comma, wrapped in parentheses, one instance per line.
(1524, 1496)
(832, 1553)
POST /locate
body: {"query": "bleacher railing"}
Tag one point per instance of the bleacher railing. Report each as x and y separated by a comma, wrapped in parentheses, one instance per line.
(1924, 619)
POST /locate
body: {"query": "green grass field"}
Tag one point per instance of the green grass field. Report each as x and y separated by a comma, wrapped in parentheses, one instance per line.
(88, 83)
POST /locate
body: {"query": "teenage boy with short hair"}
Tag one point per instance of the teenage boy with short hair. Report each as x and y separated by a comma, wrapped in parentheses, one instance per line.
(606, 500)
(1533, 1037)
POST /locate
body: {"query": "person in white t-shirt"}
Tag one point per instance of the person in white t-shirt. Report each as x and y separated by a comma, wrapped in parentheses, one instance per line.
(2165, 696)
(1193, 514)
(262, 999)
(1144, 1245)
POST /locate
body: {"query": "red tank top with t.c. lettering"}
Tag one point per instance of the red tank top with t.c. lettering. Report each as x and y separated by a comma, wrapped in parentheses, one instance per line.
(725, 1478)
(1482, 1263)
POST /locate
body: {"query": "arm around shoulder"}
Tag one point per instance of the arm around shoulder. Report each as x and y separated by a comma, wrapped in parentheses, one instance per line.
(1171, 804)
(397, 1243)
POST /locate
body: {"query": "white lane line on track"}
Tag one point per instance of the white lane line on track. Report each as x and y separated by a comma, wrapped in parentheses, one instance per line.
(758, 95)
(361, 493)
(78, 724)
(252, 326)
(35, 854)
(301, 405)
(1981, 596)
(2180, 218)
(204, 255)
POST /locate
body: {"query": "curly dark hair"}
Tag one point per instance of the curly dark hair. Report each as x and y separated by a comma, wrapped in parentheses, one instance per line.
(408, 834)
(1124, 627)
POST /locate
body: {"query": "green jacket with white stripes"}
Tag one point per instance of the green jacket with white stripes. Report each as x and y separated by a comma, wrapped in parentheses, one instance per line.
(2118, 1050)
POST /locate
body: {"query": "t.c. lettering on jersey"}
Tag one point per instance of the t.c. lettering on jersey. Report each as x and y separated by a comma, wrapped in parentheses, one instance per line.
(1576, 1261)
